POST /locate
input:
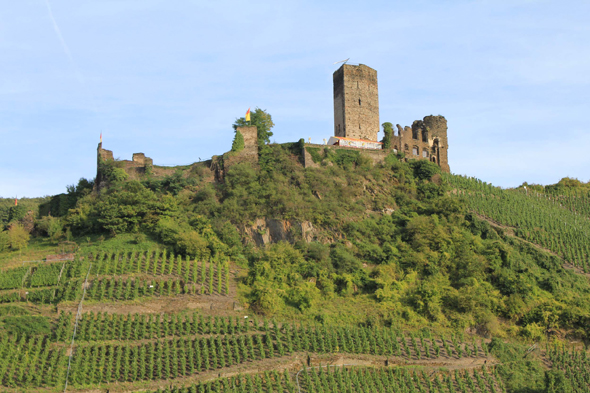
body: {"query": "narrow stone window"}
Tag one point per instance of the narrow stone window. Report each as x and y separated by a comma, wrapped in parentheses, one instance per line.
(359, 102)
(415, 150)
(424, 153)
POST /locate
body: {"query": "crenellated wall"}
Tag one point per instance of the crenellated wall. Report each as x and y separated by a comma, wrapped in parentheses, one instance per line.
(136, 168)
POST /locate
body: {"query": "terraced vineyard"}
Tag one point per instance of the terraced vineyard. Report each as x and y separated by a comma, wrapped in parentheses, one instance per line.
(114, 348)
(123, 351)
(352, 380)
(128, 275)
(574, 363)
(557, 222)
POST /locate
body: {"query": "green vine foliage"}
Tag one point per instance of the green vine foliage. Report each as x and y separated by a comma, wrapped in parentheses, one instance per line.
(238, 143)
(388, 133)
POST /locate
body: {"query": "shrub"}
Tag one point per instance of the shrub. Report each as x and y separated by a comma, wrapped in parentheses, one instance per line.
(424, 170)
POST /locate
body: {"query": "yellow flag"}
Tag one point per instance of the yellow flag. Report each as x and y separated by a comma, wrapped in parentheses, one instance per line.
(248, 115)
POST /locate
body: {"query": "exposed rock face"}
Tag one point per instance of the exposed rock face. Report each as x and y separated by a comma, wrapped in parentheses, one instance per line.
(267, 231)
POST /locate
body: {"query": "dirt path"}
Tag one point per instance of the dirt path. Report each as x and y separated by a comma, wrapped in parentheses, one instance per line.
(214, 304)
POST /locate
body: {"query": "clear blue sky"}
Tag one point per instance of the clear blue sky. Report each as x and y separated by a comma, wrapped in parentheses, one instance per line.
(168, 78)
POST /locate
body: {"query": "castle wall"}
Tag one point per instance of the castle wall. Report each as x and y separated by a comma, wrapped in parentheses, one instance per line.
(425, 140)
(136, 168)
(249, 154)
(356, 102)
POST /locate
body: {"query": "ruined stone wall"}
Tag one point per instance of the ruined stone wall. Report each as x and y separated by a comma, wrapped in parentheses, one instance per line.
(220, 165)
(136, 168)
(425, 140)
(101, 155)
(438, 128)
(356, 102)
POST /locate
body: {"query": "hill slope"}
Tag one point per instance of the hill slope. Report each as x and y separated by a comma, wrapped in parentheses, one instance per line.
(382, 267)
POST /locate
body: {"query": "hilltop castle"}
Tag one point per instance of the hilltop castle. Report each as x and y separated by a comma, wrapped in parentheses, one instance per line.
(356, 119)
(356, 127)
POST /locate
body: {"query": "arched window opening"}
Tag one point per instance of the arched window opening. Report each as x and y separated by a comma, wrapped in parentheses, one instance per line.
(433, 159)
(424, 136)
(415, 150)
(406, 147)
(425, 153)
(414, 133)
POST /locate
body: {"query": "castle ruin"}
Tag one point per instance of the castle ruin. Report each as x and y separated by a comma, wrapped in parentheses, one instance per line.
(356, 120)
(356, 127)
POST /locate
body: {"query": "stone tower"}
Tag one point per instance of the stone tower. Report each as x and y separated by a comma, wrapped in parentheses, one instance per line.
(356, 102)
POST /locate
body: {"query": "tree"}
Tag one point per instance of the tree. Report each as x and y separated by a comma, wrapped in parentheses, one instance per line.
(4, 240)
(52, 226)
(263, 122)
(16, 213)
(18, 236)
(388, 131)
(238, 143)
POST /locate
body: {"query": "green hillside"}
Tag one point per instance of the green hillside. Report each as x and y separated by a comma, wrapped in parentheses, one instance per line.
(352, 276)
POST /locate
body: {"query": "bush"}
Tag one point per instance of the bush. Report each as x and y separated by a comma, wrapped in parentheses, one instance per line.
(424, 170)
(343, 260)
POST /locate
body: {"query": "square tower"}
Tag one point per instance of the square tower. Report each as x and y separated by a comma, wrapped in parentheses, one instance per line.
(356, 102)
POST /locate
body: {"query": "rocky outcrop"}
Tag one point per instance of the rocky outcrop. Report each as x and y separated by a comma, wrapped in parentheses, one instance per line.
(267, 231)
